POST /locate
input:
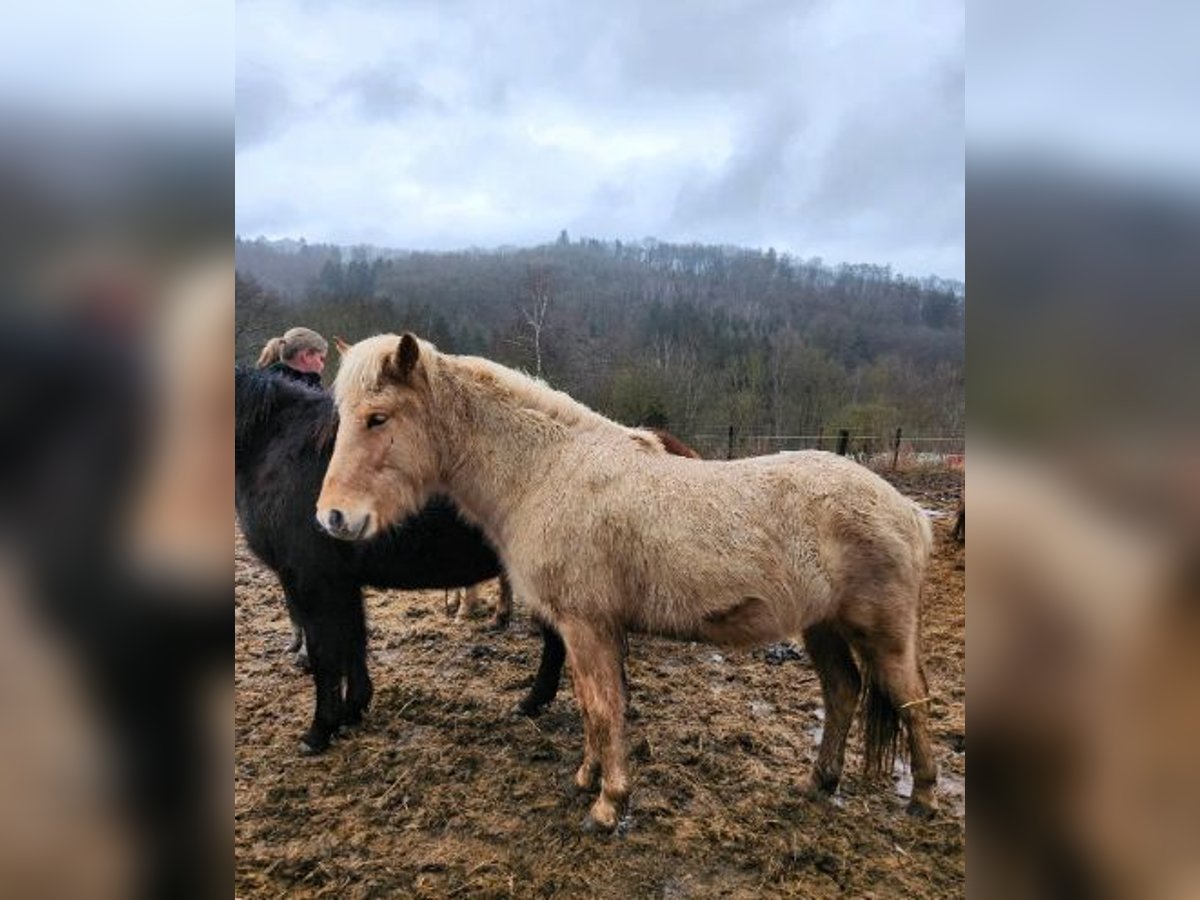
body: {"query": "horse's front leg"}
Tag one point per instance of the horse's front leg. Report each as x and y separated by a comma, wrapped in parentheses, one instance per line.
(589, 768)
(325, 646)
(596, 668)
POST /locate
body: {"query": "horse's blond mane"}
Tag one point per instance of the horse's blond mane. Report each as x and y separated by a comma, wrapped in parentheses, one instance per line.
(528, 392)
(361, 374)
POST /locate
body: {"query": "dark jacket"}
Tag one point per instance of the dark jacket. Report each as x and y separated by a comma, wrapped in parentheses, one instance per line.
(312, 379)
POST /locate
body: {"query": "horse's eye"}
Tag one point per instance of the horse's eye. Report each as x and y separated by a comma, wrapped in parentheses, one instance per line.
(374, 420)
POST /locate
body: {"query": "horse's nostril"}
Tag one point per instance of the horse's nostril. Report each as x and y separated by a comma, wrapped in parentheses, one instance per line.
(336, 520)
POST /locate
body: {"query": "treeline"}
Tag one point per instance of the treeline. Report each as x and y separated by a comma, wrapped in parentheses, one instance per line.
(689, 337)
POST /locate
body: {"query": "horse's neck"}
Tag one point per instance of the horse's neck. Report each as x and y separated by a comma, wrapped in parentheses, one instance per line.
(495, 454)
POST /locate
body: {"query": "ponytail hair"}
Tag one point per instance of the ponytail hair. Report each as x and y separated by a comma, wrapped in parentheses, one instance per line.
(281, 349)
(271, 353)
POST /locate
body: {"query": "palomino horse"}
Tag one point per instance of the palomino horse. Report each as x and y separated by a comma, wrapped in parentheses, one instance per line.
(602, 535)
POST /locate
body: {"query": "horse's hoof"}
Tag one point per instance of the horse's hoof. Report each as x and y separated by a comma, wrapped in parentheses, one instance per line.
(530, 709)
(313, 746)
(922, 809)
(590, 825)
(816, 788)
(602, 818)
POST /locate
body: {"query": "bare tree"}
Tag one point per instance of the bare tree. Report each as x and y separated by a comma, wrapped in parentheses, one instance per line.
(533, 305)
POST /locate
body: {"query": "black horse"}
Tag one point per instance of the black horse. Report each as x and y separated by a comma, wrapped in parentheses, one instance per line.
(284, 440)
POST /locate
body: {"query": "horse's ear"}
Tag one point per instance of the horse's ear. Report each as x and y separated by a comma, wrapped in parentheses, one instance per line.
(341, 345)
(408, 352)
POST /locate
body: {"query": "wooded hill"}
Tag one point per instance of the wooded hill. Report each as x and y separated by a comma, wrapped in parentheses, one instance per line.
(689, 337)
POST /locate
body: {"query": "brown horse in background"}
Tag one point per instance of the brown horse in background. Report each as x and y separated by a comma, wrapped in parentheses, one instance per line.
(602, 535)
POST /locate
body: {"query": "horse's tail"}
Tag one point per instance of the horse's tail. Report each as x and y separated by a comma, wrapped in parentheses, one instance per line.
(924, 548)
(883, 727)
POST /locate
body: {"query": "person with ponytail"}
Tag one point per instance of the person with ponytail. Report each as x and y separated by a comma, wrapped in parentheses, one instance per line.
(299, 353)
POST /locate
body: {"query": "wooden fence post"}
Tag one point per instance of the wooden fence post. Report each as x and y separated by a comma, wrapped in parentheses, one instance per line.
(843, 443)
(896, 450)
(729, 449)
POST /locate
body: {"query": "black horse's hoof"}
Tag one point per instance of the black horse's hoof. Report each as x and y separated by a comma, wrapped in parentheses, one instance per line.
(530, 709)
(313, 744)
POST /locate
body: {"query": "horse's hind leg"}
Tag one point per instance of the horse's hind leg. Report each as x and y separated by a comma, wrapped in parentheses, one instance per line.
(549, 673)
(898, 695)
(359, 689)
(504, 605)
(468, 601)
(297, 628)
(840, 687)
(298, 645)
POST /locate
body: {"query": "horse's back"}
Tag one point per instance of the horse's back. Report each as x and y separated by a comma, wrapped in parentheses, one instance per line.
(786, 530)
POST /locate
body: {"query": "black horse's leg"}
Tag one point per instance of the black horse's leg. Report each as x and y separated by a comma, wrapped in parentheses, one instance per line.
(326, 650)
(298, 645)
(297, 627)
(545, 685)
(359, 689)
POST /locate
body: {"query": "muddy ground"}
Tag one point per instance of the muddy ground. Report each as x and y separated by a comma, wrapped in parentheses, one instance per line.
(443, 792)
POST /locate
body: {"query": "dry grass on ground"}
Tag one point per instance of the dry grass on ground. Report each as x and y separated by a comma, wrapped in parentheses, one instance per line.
(444, 793)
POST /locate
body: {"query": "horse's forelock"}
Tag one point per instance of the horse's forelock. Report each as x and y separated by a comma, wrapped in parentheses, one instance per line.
(361, 371)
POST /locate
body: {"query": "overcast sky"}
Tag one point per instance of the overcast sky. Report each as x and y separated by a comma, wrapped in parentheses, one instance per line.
(822, 129)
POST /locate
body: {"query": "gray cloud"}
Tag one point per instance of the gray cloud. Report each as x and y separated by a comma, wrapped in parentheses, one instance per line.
(382, 94)
(756, 181)
(263, 105)
(814, 127)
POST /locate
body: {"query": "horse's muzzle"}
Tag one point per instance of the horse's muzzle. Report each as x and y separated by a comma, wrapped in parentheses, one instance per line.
(344, 527)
